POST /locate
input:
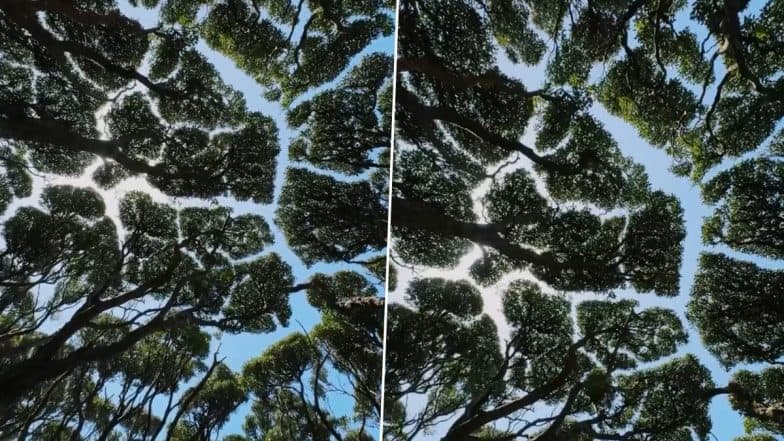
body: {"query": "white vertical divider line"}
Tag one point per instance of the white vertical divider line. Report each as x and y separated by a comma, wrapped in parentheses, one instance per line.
(389, 222)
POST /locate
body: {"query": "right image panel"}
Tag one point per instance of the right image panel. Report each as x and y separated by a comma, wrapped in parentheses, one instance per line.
(587, 221)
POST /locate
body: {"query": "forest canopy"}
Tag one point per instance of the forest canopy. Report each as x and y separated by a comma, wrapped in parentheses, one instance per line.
(508, 186)
(111, 299)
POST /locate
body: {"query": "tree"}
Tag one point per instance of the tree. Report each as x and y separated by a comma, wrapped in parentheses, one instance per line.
(92, 302)
(76, 404)
(438, 101)
(175, 265)
(528, 177)
(554, 378)
(708, 90)
(322, 217)
(267, 47)
(294, 377)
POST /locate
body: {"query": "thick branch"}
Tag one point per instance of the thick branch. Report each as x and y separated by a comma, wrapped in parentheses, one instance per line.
(25, 17)
(424, 112)
(420, 216)
(743, 401)
(463, 431)
(15, 125)
(491, 78)
(29, 374)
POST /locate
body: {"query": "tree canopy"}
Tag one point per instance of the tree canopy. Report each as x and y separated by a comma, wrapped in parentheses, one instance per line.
(519, 176)
(585, 360)
(108, 320)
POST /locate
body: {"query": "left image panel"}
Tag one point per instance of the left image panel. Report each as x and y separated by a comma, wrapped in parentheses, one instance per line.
(193, 230)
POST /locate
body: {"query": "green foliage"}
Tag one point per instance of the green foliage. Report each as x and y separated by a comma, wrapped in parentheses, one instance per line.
(666, 397)
(289, 61)
(757, 395)
(509, 24)
(572, 214)
(459, 120)
(448, 335)
(423, 180)
(604, 177)
(331, 220)
(108, 311)
(490, 268)
(747, 208)
(541, 333)
(702, 80)
(290, 383)
(652, 333)
(756, 437)
(650, 238)
(660, 222)
(735, 305)
(246, 310)
(659, 108)
(346, 144)
(328, 292)
(443, 346)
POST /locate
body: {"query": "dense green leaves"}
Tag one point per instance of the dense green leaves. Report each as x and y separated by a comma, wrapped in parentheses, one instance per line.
(349, 144)
(748, 208)
(323, 215)
(709, 91)
(666, 397)
(110, 301)
(459, 128)
(210, 404)
(331, 220)
(287, 58)
(291, 383)
(443, 345)
(659, 108)
(735, 305)
(74, 247)
(757, 395)
(572, 214)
